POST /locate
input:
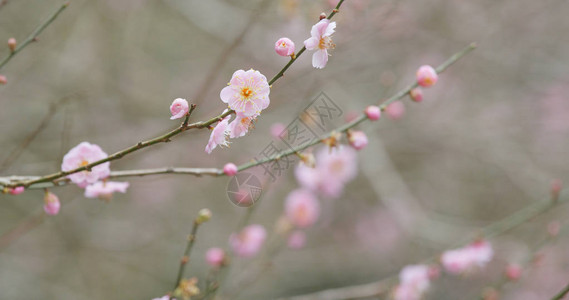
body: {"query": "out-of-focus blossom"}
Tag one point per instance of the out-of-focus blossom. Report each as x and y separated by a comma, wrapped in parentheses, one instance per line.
(17, 190)
(373, 112)
(296, 240)
(278, 130)
(513, 271)
(240, 126)
(302, 208)
(469, 258)
(230, 169)
(247, 93)
(321, 41)
(249, 241)
(104, 189)
(395, 110)
(427, 76)
(556, 187)
(553, 228)
(82, 155)
(51, 204)
(308, 159)
(3, 79)
(414, 280)
(164, 298)
(334, 168)
(357, 139)
(215, 257)
(218, 135)
(416, 94)
(179, 108)
(284, 47)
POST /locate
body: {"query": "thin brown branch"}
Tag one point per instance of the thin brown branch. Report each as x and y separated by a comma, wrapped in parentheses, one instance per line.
(33, 36)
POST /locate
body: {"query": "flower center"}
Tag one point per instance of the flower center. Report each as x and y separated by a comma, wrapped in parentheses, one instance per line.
(326, 43)
(84, 163)
(246, 92)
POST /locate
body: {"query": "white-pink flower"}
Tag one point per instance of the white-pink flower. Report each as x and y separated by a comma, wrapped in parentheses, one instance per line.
(82, 155)
(321, 41)
(104, 189)
(249, 241)
(469, 258)
(179, 108)
(414, 280)
(240, 125)
(334, 168)
(218, 135)
(284, 47)
(247, 93)
(302, 208)
(357, 139)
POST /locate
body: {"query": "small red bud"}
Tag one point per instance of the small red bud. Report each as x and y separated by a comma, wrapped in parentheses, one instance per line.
(12, 44)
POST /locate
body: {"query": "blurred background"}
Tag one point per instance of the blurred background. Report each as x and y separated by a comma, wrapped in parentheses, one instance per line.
(487, 140)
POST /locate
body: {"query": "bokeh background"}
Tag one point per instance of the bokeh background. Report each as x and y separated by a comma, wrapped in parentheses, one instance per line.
(487, 140)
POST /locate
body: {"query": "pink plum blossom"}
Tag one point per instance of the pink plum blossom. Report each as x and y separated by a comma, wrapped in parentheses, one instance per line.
(17, 190)
(416, 94)
(51, 204)
(395, 110)
(357, 139)
(230, 169)
(373, 112)
(284, 47)
(321, 41)
(334, 168)
(179, 108)
(302, 208)
(104, 189)
(414, 280)
(247, 93)
(82, 155)
(240, 125)
(249, 241)
(215, 257)
(513, 271)
(427, 76)
(218, 135)
(462, 260)
(296, 240)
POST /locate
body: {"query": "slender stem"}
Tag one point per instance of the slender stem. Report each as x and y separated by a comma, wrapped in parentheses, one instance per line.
(562, 293)
(187, 251)
(161, 139)
(33, 36)
(54, 179)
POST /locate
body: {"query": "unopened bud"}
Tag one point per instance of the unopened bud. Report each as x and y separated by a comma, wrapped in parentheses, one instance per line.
(3, 79)
(51, 204)
(553, 228)
(513, 271)
(204, 215)
(416, 94)
(322, 16)
(556, 187)
(12, 44)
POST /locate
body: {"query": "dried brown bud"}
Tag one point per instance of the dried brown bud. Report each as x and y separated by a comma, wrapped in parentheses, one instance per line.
(12, 44)
(322, 16)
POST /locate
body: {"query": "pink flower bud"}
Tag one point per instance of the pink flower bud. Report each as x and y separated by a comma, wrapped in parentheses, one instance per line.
(179, 108)
(51, 204)
(395, 110)
(416, 94)
(373, 112)
(357, 139)
(12, 44)
(556, 187)
(215, 257)
(278, 130)
(284, 47)
(3, 79)
(427, 76)
(230, 169)
(296, 240)
(17, 190)
(513, 271)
